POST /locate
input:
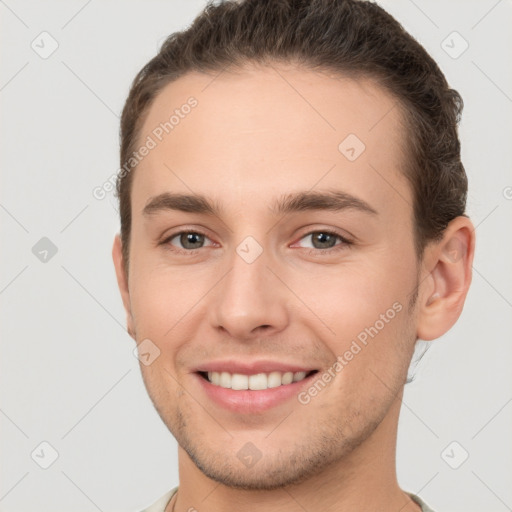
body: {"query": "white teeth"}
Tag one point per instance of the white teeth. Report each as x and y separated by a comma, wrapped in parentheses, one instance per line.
(298, 376)
(238, 381)
(255, 382)
(225, 380)
(287, 378)
(274, 379)
(258, 381)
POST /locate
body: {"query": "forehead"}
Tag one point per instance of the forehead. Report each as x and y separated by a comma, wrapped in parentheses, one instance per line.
(271, 129)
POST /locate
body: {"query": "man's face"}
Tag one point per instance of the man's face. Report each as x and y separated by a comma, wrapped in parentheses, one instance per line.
(258, 286)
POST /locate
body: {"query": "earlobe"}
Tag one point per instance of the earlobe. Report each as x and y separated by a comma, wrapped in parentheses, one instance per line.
(122, 282)
(445, 289)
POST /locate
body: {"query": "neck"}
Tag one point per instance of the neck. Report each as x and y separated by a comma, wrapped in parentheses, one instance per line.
(365, 479)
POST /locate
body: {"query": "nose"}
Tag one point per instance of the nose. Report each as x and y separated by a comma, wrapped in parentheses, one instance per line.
(250, 300)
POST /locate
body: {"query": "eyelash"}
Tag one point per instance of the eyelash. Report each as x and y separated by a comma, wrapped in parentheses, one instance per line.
(311, 251)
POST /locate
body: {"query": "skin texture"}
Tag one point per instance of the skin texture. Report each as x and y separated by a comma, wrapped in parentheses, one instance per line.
(255, 135)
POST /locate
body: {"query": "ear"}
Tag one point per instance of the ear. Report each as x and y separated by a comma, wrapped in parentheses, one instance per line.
(444, 290)
(122, 282)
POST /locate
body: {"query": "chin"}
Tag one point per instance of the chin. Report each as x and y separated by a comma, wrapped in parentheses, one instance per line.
(270, 475)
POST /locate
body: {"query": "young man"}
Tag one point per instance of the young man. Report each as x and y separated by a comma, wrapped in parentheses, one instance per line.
(292, 221)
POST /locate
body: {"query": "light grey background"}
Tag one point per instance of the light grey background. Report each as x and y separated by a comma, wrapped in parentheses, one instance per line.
(68, 375)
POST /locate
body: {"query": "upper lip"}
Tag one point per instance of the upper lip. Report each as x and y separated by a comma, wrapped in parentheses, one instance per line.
(252, 368)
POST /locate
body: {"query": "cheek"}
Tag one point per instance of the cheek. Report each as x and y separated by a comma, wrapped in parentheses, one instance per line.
(351, 298)
(169, 306)
(151, 312)
(365, 309)
(162, 296)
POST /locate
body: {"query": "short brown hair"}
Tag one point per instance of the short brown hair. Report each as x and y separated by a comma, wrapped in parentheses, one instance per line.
(354, 38)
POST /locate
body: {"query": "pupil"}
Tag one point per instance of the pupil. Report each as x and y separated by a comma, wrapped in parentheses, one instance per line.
(191, 238)
(324, 238)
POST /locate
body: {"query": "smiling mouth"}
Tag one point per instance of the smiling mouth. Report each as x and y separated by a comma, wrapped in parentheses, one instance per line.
(255, 382)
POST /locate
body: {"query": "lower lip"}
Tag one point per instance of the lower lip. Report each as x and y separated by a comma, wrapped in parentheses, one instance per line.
(252, 401)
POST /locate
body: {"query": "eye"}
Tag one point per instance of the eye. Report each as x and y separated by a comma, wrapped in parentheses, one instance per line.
(189, 240)
(325, 241)
(320, 241)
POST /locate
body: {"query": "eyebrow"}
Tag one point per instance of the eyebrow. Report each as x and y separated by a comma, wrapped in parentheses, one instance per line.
(331, 200)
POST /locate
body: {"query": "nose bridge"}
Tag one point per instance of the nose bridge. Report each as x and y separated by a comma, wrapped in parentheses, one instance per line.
(250, 296)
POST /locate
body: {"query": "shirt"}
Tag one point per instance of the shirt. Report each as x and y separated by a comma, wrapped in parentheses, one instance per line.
(161, 503)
